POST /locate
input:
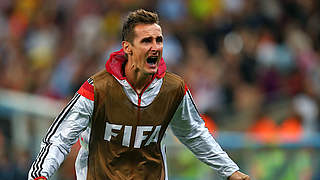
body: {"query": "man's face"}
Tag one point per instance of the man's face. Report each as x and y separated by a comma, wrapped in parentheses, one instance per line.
(147, 48)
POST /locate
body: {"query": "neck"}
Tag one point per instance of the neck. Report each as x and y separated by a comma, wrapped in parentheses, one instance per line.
(136, 78)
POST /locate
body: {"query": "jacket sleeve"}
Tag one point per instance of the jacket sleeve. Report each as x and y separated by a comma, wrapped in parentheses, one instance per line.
(61, 135)
(189, 128)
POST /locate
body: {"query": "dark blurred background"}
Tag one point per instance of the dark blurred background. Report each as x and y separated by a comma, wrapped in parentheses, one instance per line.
(253, 67)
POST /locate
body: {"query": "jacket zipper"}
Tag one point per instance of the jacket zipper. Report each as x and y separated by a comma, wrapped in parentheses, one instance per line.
(139, 99)
(139, 109)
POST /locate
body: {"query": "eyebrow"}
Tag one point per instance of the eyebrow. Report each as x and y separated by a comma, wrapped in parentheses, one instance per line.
(150, 38)
(146, 39)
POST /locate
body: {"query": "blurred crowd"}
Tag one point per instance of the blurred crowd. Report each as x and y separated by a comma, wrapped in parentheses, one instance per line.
(236, 55)
(251, 65)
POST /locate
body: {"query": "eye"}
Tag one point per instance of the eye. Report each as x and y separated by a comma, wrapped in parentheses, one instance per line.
(146, 40)
(159, 39)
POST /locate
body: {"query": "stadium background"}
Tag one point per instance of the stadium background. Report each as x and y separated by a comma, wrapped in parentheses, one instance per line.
(253, 67)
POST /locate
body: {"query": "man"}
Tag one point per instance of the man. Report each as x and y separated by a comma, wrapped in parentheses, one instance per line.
(122, 112)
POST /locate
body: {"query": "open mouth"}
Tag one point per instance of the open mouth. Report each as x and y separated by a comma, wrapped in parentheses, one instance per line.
(152, 59)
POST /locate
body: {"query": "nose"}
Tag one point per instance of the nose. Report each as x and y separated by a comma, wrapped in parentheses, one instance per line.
(155, 46)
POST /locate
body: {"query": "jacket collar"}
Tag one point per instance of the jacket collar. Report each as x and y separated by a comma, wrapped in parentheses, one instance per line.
(117, 59)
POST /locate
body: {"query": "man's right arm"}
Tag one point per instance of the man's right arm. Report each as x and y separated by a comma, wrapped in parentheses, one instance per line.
(63, 133)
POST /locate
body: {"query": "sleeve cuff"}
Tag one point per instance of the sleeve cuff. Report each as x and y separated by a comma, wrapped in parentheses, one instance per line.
(228, 174)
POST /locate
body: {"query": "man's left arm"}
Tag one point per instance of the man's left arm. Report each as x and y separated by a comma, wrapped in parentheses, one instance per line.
(189, 128)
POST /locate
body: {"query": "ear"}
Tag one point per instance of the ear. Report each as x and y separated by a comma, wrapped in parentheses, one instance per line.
(126, 46)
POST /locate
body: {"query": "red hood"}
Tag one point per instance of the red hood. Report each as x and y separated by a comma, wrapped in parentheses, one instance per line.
(116, 60)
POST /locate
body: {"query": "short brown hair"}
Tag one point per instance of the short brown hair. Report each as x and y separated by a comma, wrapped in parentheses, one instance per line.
(134, 18)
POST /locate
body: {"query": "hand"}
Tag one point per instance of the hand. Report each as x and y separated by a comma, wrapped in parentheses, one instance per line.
(239, 176)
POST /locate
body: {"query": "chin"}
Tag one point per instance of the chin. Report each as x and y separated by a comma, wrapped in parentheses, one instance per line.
(152, 72)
